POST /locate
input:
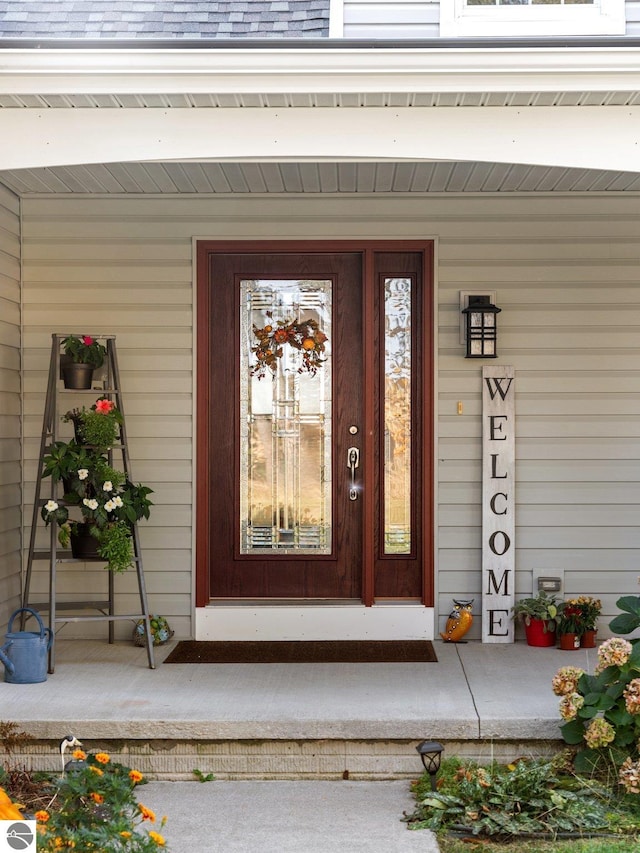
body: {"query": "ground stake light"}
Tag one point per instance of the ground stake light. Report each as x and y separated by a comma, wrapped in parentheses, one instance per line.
(431, 754)
(481, 327)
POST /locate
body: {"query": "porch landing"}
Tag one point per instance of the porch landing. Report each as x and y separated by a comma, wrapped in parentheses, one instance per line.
(286, 721)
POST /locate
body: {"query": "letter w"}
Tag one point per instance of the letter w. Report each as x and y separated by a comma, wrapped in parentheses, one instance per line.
(497, 386)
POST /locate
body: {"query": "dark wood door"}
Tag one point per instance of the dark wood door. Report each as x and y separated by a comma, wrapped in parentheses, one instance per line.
(297, 533)
(314, 477)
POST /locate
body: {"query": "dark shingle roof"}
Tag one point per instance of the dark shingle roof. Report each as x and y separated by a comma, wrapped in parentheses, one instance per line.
(192, 19)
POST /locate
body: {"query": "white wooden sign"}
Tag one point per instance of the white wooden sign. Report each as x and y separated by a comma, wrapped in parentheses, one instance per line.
(498, 503)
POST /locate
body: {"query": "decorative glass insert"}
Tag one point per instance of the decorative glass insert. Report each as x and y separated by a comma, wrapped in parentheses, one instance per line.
(285, 421)
(397, 416)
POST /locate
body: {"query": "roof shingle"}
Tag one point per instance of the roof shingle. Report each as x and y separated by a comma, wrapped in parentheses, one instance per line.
(110, 19)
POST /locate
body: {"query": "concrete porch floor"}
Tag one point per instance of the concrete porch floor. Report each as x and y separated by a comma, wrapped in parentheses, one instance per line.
(291, 721)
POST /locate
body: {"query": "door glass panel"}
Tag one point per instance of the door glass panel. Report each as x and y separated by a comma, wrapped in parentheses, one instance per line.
(285, 417)
(397, 416)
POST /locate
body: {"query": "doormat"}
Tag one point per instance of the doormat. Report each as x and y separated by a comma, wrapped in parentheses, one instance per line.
(305, 651)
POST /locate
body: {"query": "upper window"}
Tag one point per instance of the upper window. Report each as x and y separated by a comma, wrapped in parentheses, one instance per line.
(503, 18)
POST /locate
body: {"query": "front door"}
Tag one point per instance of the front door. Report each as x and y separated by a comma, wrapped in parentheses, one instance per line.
(311, 423)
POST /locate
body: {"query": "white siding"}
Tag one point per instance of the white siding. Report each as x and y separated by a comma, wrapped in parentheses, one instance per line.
(420, 18)
(386, 19)
(10, 443)
(567, 275)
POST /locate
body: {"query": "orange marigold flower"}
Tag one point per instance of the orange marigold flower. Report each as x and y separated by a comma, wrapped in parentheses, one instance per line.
(135, 776)
(125, 833)
(147, 814)
(97, 798)
(42, 816)
(308, 343)
(155, 836)
(58, 842)
(102, 757)
(79, 754)
(96, 770)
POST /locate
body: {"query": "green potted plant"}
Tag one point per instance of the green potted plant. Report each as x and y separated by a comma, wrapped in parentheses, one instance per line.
(108, 505)
(82, 355)
(590, 608)
(569, 624)
(97, 427)
(538, 613)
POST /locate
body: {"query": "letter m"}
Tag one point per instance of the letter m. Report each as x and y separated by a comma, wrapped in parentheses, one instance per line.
(503, 582)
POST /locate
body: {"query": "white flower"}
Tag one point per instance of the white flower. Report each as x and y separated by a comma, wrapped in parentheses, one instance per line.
(51, 506)
(92, 503)
(83, 473)
(109, 506)
(108, 486)
(117, 501)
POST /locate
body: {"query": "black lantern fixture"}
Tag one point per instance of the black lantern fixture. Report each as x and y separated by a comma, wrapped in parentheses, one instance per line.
(431, 755)
(481, 327)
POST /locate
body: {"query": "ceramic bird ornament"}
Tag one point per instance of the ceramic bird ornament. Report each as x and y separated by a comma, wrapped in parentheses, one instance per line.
(68, 742)
(459, 621)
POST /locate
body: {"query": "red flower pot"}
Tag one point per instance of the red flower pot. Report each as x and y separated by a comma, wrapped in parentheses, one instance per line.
(569, 642)
(588, 639)
(538, 634)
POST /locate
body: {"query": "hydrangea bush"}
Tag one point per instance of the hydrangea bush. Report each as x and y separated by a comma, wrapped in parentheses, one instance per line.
(601, 712)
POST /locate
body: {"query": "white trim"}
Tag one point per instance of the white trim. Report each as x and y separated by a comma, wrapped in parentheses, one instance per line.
(336, 18)
(291, 71)
(314, 622)
(603, 17)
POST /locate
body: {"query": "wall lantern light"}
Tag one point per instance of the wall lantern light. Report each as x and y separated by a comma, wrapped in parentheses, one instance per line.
(431, 755)
(481, 327)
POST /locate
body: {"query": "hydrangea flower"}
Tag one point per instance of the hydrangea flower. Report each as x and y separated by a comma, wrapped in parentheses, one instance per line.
(613, 652)
(632, 696)
(599, 733)
(629, 776)
(566, 680)
(570, 704)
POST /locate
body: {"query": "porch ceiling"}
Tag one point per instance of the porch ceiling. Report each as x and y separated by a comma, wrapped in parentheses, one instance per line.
(313, 177)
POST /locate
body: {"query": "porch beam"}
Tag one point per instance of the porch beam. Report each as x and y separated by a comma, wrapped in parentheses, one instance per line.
(590, 138)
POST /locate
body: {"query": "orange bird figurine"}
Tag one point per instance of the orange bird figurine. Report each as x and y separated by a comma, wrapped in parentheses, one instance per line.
(459, 621)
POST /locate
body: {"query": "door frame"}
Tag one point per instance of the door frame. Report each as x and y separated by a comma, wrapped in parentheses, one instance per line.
(203, 542)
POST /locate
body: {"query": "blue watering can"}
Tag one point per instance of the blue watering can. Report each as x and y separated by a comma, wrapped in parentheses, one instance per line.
(25, 653)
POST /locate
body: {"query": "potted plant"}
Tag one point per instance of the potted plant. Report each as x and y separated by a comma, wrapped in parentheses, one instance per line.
(590, 608)
(82, 355)
(108, 505)
(569, 624)
(538, 614)
(98, 426)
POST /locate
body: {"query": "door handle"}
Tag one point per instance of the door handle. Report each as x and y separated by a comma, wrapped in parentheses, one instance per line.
(353, 461)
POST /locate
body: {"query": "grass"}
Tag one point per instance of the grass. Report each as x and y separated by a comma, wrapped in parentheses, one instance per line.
(590, 845)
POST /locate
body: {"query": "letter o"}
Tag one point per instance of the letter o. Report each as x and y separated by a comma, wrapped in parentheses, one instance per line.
(506, 542)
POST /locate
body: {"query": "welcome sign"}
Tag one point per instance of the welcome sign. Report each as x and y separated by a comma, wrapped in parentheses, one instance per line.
(498, 503)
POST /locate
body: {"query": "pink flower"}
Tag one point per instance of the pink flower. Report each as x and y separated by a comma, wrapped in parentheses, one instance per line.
(104, 407)
(87, 340)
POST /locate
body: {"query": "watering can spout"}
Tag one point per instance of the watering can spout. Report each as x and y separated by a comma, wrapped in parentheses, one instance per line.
(5, 660)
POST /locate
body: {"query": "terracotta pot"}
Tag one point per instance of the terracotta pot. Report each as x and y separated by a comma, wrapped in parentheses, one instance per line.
(588, 639)
(538, 634)
(77, 376)
(569, 642)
